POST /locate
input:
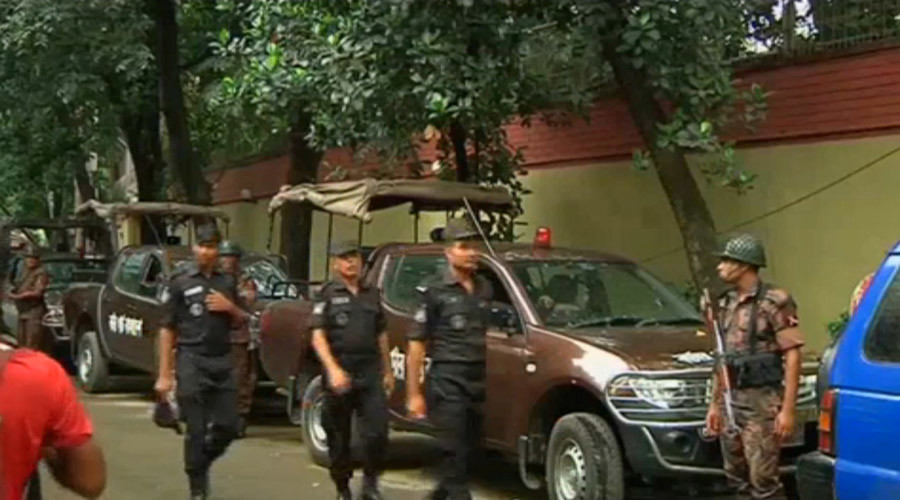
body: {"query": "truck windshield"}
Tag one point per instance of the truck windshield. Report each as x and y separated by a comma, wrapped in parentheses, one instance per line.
(65, 271)
(262, 272)
(581, 294)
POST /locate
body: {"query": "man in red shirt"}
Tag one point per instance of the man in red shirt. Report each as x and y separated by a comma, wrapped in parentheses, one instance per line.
(42, 418)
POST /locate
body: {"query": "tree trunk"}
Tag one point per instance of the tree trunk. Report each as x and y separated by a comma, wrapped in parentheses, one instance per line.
(458, 138)
(83, 183)
(296, 219)
(691, 213)
(142, 133)
(189, 171)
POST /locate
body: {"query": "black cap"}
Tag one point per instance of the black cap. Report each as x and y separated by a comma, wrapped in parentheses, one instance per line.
(164, 416)
(208, 234)
(460, 229)
(343, 248)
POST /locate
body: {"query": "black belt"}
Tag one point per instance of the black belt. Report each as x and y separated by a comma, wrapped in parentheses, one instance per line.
(202, 349)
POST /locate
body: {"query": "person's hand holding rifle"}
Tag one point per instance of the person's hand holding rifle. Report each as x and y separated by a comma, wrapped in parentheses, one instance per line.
(721, 380)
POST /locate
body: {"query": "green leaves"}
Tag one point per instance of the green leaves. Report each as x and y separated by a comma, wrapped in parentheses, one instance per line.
(686, 48)
(67, 69)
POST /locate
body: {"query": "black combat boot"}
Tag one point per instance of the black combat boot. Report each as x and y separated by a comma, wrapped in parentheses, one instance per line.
(241, 428)
(344, 493)
(370, 489)
(439, 493)
(199, 486)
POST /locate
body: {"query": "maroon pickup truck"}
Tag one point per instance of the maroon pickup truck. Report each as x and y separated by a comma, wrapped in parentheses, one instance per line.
(597, 371)
(113, 324)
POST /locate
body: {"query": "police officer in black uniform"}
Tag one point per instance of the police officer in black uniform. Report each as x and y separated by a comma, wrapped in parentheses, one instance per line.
(349, 337)
(202, 305)
(452, 319)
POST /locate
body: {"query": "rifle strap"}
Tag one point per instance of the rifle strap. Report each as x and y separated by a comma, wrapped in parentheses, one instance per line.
(761, 291)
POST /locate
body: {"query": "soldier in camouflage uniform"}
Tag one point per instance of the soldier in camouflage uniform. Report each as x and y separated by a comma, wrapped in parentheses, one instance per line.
(242, 355)
(764, 414)
(28, 294)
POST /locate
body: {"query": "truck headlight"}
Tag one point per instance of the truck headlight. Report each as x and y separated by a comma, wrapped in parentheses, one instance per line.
(662, 393)
(54, 317)
(53, 299)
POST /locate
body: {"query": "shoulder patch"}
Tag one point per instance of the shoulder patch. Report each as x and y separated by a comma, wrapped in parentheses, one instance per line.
(421, 316)
(319, 308)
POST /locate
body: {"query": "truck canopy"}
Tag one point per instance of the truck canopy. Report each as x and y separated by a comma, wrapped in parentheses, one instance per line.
(110, 210)
(17, 231)
(54, 224)
(357, 199)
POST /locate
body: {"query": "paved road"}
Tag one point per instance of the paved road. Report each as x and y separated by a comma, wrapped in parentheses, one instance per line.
(145, 462)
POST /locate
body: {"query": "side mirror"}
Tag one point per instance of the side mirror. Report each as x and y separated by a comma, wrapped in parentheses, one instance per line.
(505, 318)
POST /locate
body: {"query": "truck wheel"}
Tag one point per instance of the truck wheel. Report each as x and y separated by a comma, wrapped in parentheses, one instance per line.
(314, 428)
(91, 366)
(584, 461)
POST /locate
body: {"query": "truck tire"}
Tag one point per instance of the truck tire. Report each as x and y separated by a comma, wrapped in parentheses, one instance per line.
(314, 430)
(92, 367)
(584, 461)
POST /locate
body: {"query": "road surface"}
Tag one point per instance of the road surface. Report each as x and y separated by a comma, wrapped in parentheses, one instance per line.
(144, 462)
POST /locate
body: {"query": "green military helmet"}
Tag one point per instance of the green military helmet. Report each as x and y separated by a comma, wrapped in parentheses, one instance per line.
(744, 248)
(229, 248)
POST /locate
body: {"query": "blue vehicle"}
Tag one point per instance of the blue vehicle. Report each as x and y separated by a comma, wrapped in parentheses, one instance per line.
(859, 442)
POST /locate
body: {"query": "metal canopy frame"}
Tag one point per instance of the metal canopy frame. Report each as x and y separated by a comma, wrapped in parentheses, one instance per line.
(358, 199)
(171, 210)
(109, 210)
(26, 224)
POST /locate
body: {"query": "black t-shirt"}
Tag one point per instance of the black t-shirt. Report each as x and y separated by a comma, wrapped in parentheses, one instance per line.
(198, 328)
(352, 323)
(454, 321)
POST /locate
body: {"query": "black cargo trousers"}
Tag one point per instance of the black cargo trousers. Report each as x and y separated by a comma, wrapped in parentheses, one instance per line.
(207, 400)
(456, 395)
(366, 397)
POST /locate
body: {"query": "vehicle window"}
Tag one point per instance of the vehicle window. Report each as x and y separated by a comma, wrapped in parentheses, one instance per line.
(883, 339)
(152, 277)
(265, 274)
(130, 272)
(576, 294)
(65, 271)
(500, 293)
(407, 272)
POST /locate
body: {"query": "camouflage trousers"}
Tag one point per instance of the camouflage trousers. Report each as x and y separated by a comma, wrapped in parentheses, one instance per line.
(31, 332)
(752, 454)
(243, 361)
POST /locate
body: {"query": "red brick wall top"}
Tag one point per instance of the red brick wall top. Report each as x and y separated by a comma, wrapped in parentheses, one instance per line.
(827, 98)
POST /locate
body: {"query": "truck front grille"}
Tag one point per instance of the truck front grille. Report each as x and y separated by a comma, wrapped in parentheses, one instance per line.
(676, 398)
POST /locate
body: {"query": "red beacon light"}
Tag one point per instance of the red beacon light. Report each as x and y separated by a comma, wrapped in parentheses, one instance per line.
(543, 238)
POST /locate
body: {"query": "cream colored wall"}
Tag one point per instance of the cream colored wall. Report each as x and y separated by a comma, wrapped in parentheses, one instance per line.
(818, 249)
(249, 225)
